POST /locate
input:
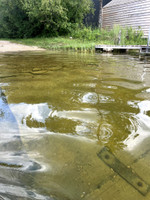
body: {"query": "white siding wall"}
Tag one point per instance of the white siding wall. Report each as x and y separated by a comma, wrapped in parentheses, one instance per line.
(128, 13)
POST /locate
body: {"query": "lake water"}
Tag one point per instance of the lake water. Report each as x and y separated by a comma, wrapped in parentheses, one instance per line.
(58, 110)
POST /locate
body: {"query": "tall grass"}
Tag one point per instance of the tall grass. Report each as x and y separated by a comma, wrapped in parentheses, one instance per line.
(60, 43)
(85, 39)
(117, 35)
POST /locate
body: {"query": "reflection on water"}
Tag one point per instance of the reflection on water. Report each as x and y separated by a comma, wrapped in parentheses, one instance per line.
(141, 125)
(57, 110)
(13, 159)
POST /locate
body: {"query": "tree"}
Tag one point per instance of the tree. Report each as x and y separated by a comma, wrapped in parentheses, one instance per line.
(14, 20)
(29, 18)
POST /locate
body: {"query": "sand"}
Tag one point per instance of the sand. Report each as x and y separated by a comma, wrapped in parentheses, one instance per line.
(6, 46)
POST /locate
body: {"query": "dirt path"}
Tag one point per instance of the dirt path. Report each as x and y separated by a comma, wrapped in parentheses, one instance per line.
(6, 46)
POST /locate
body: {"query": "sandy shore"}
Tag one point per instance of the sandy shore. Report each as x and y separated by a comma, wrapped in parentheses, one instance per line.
(6, 46)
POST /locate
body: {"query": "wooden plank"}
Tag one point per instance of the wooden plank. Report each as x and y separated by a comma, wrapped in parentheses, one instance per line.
(119, 47)
(110, 48)
(113, 47)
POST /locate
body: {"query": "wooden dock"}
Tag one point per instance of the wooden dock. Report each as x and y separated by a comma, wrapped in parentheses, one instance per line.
(124, 48)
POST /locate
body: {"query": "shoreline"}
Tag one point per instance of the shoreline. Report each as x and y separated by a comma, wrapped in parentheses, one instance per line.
(54, 44)
(59, 44)
(8, 46)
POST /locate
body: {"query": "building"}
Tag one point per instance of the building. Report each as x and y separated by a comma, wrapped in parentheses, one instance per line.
(134, 13)
(93, 19)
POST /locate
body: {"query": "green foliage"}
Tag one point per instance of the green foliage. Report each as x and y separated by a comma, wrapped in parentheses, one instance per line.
(117, 36)
(84, 39)
(59, 43)
(86, 33)
(50, 15)
(134, 36)
(125, 36)
(15, 22)
(30, 18)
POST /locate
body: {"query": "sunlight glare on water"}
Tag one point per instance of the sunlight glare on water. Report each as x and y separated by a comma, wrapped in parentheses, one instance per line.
(58, 110)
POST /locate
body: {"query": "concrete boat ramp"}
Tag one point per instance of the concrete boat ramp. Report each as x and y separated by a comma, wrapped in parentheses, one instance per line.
(126, 174)
(124, 48)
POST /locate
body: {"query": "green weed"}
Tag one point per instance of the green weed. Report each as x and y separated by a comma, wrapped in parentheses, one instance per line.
(85, 39)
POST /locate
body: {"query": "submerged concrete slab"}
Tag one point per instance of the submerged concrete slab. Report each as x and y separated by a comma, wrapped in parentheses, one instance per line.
(117, 187)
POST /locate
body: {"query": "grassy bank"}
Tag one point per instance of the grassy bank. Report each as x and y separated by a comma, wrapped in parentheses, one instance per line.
(59, 43)
(85, 39)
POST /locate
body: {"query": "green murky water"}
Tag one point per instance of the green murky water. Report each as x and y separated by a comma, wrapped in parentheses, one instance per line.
(58, 110)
